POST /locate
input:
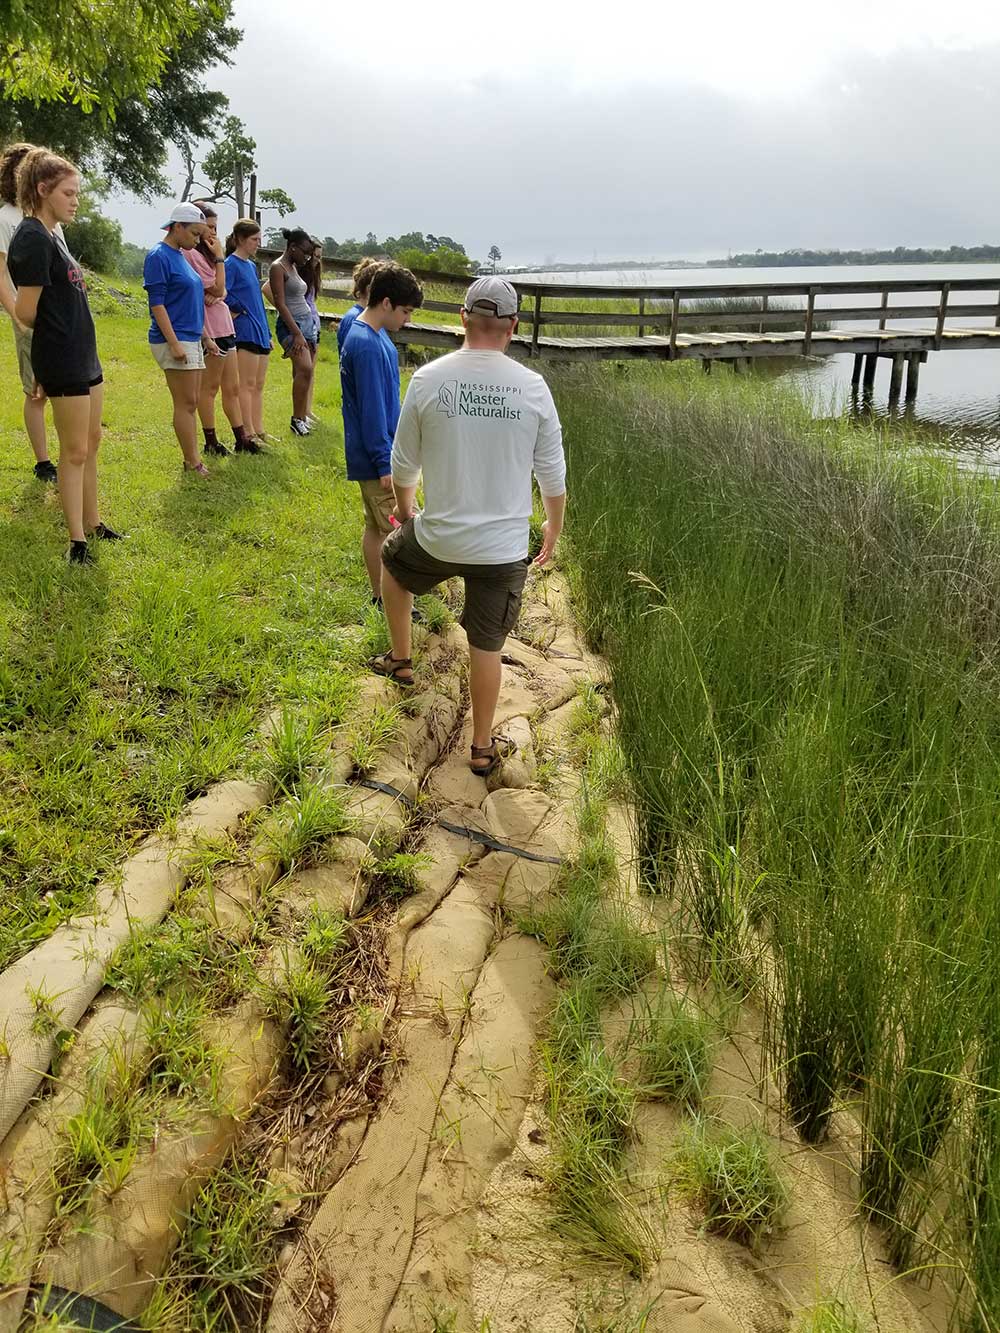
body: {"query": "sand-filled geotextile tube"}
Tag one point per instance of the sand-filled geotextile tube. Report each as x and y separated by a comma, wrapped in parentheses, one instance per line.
(451, 970)
(130, 1233)
(60, 977)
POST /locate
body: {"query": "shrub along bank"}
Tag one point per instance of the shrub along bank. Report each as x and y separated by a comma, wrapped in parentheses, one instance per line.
(804, 636)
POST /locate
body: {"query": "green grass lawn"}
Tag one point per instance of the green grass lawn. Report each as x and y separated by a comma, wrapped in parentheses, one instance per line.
(126, 688)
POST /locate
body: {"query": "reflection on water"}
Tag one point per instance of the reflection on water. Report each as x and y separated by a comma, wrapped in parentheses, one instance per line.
(957, 407)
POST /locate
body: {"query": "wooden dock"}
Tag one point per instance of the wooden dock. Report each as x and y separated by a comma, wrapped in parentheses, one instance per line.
(710, 322)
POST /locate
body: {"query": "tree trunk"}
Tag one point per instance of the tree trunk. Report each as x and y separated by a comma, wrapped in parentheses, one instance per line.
(241, 210)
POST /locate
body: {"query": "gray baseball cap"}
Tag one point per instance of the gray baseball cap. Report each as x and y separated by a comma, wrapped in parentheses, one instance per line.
(491, 296)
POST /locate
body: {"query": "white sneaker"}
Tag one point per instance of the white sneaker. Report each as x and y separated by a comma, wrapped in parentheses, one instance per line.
(300, 427)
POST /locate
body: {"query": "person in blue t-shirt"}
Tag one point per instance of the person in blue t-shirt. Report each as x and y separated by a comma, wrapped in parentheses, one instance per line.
(253, 333)
(177, 306)
(369, 383)
(364, 271)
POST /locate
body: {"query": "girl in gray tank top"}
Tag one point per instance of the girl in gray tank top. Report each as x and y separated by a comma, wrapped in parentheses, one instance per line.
(296, 328)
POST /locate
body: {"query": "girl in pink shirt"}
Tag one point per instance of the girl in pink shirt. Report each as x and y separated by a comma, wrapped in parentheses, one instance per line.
(219, 341)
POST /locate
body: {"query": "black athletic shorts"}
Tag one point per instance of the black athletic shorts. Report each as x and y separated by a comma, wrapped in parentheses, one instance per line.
(256, 348)
(71, 390)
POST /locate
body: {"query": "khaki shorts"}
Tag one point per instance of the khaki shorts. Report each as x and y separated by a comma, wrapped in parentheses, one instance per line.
(378, 504)
(22, 341)
(492, 592)
(194, 356)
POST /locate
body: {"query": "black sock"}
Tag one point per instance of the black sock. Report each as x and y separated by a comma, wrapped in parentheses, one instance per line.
(209, 434)
(240, 434)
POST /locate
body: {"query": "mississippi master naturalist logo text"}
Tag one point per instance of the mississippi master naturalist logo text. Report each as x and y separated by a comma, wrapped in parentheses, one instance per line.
(458, 399)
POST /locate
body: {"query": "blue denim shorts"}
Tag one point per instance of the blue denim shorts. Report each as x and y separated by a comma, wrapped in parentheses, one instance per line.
(285, 337)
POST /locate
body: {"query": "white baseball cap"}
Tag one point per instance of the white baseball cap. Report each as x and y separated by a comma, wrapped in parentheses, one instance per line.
(491, 296)
(186, 213)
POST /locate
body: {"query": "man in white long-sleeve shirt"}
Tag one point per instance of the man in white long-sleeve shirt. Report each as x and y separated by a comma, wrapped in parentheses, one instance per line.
(477, 425)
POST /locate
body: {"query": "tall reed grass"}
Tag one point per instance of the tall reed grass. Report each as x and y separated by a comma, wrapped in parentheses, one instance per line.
(803, 629)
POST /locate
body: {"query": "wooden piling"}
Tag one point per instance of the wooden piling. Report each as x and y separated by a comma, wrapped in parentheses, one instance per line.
(642, 311)
(537, 324)
(896, 378)
(706, 365)
(856, 372)
(871, 365)
(912, 376)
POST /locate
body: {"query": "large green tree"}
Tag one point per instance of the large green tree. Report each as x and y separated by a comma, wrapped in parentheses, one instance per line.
(129, 149)
(94, 53)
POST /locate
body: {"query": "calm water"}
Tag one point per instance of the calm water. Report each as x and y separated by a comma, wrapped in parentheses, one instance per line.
(959, 402)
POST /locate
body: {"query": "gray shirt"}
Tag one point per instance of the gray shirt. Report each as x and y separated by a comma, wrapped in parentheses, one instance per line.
(295, 294)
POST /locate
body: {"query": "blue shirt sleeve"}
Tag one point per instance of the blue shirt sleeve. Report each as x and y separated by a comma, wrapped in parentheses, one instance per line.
(154, 279)
(376, 431)
(236, 294)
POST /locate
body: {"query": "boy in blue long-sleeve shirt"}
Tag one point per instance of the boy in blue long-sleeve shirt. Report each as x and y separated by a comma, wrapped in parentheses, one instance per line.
(369, 382)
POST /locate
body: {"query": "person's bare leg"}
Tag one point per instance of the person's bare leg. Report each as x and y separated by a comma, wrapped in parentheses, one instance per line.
(211, 378)
(34, 424)
(302, 373)
(184, 386)
(258, 396)
(484, 687)
(371, 549)
(91, 508)
(232, 403)
(398, 606)
(312, 379)
(247, 368)
(72, 422)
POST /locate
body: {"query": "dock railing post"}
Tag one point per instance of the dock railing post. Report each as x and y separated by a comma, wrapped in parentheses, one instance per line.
(763, 313)
(942, 314)
(642, 311)
(871, 365)
(675, 309)
(537, 324)
(856, 373)
(998, 310)
(810, 312)
(883, 307)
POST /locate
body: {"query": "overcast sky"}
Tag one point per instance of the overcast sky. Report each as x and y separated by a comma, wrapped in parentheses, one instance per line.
(649, 131)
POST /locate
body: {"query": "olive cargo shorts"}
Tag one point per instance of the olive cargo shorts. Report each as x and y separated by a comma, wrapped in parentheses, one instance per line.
(492, 592)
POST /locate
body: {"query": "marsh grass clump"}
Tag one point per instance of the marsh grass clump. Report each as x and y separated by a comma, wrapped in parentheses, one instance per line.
(397, 876)
(181, 1061)
(370, 737)
(99, 1144)
(674, 1044)
(301, 1001)
(731, 1175)
(588, 930)
(831, 1316)
(223, 1269)
(323, 937)
(292, 749)
(592, 1110)
(181, 954)
(300, 828)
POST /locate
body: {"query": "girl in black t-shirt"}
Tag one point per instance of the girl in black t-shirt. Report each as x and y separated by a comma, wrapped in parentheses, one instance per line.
(52, 301)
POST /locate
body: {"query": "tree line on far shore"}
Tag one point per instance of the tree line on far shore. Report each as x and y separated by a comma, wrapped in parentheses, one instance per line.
(901, 254)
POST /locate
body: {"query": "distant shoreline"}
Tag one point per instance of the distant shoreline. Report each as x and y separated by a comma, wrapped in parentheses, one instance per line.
(808, 259)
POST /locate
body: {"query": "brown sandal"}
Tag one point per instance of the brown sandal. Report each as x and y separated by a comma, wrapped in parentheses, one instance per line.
(390, 667)
(499, 748)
